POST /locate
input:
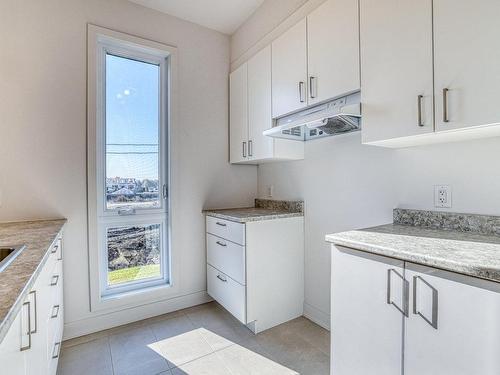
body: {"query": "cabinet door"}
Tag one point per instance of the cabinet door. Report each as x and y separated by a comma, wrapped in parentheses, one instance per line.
(454, 324)
(367, 324)
(467, 63)
(238, 114)
(11, 356)
(333, 50)
(260, 105)
(289, 73)
(396, 68)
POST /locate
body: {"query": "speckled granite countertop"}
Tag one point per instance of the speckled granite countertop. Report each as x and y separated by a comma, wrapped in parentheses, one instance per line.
(17, 279)
(265, 209)
(438, 242)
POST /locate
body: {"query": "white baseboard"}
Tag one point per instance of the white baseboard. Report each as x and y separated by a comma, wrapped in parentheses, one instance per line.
(105, 321)
(317, 316)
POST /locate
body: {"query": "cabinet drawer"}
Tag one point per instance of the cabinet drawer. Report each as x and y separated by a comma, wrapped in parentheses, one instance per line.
(227, 257)
(229, 230)
(227, 292)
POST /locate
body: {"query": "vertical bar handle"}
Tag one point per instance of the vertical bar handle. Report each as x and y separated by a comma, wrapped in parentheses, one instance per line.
(404, 309)
(419, 109)
(313, 88)
(445, 105)
(250, 148)
(33, 292)
(244, 151)
(23, 348)
(301, 91)
(433, 322)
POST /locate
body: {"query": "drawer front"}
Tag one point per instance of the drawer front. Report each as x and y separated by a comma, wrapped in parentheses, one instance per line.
(229, 230)
(227, 292)
(227, 257)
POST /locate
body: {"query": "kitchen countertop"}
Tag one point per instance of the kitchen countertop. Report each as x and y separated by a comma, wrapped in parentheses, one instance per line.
(466, 251)
(265, 209)
(17, 279)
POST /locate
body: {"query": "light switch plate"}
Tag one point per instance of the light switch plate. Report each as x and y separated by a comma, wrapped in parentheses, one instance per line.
(442, 196)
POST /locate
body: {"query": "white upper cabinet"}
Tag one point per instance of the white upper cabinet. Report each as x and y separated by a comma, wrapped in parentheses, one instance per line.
(396, 68)
(333, 50)
(260, 105)
(238, 115)
(289, 70)
(453, 326)
(467, 63)
(251, 114)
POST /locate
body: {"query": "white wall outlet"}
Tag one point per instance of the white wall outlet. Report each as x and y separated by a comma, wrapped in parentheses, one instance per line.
(442, 196)
(270, 191)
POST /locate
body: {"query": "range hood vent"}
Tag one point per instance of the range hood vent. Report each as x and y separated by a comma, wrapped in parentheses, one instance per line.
(338, 116)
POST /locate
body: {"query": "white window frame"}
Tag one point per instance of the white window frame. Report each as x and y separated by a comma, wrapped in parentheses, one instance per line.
(103, 297)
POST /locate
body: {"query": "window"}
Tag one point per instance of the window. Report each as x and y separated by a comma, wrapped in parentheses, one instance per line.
(130, 165)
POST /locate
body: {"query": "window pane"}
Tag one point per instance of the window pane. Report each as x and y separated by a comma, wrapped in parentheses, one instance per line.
(132, 133)
(133, 253)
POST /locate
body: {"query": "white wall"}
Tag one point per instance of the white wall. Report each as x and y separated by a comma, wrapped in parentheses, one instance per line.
(43, 133)
(346, 185)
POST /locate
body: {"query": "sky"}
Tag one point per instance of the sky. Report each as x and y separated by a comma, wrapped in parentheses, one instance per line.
(131, 118)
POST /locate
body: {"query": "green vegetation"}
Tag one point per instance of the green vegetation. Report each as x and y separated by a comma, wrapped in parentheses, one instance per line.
(133, 273)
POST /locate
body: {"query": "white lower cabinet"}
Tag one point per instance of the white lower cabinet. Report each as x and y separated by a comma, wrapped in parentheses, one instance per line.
(394, 317)
(32, 343)
(255, 270)
(454, 324)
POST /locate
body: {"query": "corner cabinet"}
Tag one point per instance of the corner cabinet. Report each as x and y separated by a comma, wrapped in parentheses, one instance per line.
(250, 114)
(393, 317)
(255, 270)
(33, 342)
(404, 69)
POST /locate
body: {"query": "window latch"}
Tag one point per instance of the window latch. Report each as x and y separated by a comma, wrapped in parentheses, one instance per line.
(165, 191)
(126, 211)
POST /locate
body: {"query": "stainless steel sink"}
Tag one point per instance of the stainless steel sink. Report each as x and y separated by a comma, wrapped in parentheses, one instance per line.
(8, 254)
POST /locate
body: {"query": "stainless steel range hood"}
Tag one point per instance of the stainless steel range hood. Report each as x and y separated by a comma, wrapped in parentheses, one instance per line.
(338, 116)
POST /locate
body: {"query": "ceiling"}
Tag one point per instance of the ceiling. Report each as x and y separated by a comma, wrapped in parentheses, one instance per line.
(221, 15)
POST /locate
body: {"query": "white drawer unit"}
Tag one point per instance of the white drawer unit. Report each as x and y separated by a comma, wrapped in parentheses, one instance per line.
(227, 257)
(229, 230)
(227, 292)
(255, 270)
(33, 342)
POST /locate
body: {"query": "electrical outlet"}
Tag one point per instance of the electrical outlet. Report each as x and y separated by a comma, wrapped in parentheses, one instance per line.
(442, 196)
(270, 191)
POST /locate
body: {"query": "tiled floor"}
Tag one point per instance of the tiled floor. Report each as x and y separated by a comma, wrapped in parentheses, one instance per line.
(204, 339)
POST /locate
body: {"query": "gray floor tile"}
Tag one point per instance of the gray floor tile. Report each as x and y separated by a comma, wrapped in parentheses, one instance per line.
(132, 352)
(87, 358)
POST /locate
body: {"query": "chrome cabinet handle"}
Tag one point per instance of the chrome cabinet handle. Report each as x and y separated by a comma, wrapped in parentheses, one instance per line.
(445, 105)
(55, 280)
(250, 151)
(23, 348)
(301, 91)
(313, 89)
(244, 152)
(221, 224)
(58, 346)
(165, 191)
(419, 106)
(54, 249)
(221, 243)
(433, 322)
(406, 287)
(222, 278)
(34, 308)
(56, 313)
